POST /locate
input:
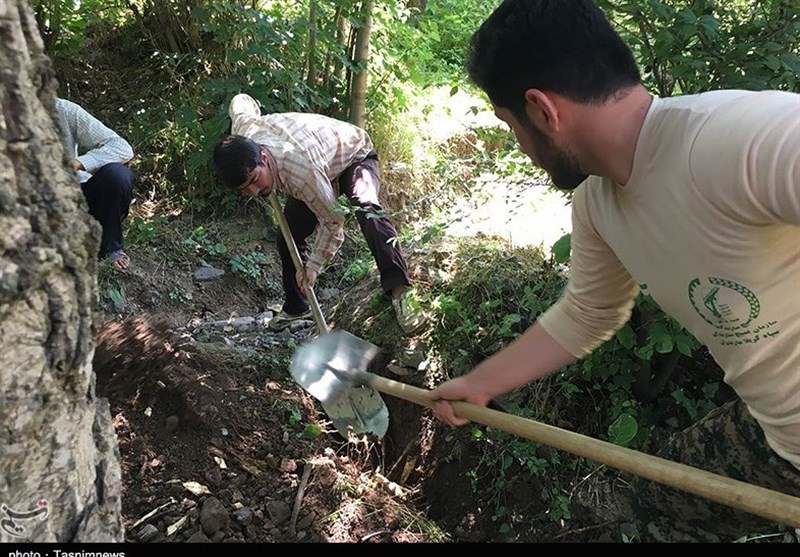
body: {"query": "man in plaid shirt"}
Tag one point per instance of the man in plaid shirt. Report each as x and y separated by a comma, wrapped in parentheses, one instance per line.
(313, 159)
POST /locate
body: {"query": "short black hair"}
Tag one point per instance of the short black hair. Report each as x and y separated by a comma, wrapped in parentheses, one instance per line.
(564, 46)
(234, 157)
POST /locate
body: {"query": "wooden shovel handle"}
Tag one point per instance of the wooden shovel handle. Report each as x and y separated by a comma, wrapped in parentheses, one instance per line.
(298, 263)
(773, 505)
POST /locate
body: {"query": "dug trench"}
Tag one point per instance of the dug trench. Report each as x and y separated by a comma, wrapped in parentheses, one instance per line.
(219, 444)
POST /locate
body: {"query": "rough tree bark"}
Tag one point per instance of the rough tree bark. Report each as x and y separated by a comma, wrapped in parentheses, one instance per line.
(59, 461)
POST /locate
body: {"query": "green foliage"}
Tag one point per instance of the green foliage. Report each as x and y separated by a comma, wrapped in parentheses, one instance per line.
(615, 366)
(690, 46)
(310, 431)
(179, 295)
(358, 269)
(697, 409)
(63, 23)
(201, 242)
(248, 265)
(497, 295)
(142, 230)
(116, 294)
(561, 249)
(623, 430)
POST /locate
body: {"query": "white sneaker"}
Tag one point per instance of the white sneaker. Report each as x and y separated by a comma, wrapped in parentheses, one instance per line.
(409, 314)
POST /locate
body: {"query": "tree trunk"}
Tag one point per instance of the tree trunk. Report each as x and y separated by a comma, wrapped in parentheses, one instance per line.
(58, 452)
(358, 92)
(311, 64)
(337, 73)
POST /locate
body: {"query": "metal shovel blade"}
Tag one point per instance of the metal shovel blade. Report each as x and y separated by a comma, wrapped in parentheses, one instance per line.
(322, 365)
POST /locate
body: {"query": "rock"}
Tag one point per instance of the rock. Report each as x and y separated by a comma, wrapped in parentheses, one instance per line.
(244, 323)
(213, 516)
(146, 533)
(263, 319)
(306, 521)
(300, 325)
(243, 516)
(326, 294)
(205, 274)
(288, 465)
(278, 512)
(150, 298)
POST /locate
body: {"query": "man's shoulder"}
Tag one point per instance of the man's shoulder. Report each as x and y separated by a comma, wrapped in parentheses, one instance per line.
(63, 105)
(728, 103)
(70, 108)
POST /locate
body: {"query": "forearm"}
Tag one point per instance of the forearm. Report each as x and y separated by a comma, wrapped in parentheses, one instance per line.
(533, 355)
(113, 150)
(330, 236)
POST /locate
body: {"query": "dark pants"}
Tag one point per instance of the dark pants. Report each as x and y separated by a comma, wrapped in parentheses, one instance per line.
(729, 442)
(360, 183)
(109, 193)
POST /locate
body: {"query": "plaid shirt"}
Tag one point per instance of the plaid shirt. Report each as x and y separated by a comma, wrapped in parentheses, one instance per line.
(89, 140)
(310, 151)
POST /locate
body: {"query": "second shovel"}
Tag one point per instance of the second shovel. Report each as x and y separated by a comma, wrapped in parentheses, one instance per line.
(354, 409)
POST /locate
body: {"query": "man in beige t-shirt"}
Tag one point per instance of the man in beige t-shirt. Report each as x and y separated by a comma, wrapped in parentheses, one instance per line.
(694, 200)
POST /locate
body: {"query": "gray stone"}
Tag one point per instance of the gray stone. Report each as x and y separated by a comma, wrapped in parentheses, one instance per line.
(243, 516)
(205, 274)
(146, 533)
(278, 512)
(300, 325)
(150, 298)
(213, 516)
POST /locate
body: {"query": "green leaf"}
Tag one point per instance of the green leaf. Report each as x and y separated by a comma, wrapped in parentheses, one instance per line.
(773, 63)
(561, 248)
(684, 345)
(664, 344)
(504, 528)
(627, 337)
(311, 431)
(623, 430)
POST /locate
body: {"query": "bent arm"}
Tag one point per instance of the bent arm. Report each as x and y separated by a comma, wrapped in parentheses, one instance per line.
(320, 198)
(99, 143)
(598, 300)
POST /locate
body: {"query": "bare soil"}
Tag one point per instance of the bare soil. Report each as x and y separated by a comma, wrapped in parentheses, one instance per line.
(219, 444)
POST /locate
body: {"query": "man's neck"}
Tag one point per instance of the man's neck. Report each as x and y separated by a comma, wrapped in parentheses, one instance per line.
(610, 133)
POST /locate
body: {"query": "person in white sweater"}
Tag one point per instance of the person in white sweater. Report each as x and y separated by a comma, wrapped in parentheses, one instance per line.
(99, 157)
(694, 200)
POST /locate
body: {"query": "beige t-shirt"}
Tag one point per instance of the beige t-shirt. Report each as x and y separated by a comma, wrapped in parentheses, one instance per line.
(709, 226)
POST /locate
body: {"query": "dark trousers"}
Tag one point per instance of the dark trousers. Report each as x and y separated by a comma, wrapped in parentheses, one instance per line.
(109, 193)
(729, 442)
(360, 183)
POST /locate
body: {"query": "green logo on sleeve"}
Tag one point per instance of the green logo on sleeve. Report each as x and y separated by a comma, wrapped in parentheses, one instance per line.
(731, 309)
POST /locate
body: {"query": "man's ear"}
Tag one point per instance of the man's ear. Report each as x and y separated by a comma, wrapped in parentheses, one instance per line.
(542, 109)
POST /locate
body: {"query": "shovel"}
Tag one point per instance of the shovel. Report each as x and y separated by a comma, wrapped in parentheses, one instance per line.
(337, 362)
(354, 409)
